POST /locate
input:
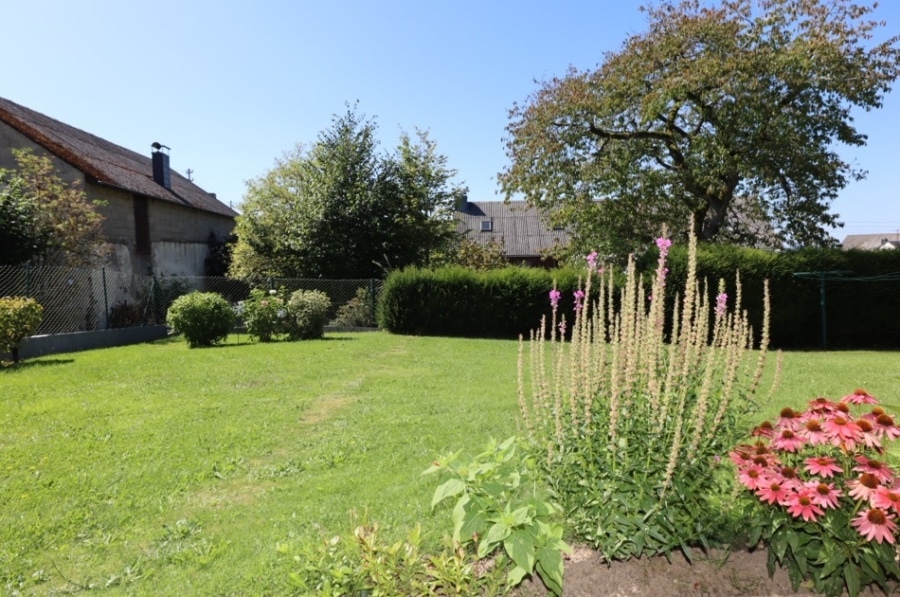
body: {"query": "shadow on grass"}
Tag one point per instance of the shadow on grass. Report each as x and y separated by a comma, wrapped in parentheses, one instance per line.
(30, 364)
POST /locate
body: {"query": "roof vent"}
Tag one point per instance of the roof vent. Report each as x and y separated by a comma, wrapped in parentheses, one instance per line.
(161, 165)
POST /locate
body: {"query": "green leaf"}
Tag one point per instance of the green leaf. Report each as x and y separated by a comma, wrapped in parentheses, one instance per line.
(834, 562)
(851, 577)
(497, 533)
(520, 547)
(549, 566)
(449, 488)
(515, 576)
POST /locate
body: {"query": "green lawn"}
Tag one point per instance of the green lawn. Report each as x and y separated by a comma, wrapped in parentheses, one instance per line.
(159, 470)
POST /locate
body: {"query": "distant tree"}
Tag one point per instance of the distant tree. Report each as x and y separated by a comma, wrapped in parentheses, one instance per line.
(722, 114)
(341, 209)
(474, 255)
(51, 222)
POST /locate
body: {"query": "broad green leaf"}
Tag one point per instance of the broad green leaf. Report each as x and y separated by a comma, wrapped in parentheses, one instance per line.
(515, 576)
(549, 566)
(851, 577)
(520, 547)
(449, 488)
(497, 533)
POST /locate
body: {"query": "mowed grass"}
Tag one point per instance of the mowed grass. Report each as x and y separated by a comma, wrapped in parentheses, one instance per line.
(159, 470)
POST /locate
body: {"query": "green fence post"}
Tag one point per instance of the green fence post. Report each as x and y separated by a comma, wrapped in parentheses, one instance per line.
(28, 279)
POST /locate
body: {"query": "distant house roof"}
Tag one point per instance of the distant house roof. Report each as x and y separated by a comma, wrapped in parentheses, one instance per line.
(871, 242)
(106, 163)
(520, 228)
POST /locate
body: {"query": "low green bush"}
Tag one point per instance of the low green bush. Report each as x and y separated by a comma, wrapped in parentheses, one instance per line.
(204, 318)
(263, 314)
(307, 313)
(358, 311)
(19, 318)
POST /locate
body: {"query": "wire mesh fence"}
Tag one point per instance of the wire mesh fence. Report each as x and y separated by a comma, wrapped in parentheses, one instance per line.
(77, 300)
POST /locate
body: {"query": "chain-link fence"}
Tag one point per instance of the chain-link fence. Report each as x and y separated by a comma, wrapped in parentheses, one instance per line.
(77, 300)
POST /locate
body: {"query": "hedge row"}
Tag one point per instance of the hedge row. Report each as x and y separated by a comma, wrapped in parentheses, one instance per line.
(861, 297)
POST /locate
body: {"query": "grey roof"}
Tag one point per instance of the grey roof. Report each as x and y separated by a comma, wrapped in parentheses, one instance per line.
(870, 242)
(105, 162)
(520, 228)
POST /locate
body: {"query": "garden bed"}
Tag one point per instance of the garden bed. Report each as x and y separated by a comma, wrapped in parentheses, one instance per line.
(738, 573)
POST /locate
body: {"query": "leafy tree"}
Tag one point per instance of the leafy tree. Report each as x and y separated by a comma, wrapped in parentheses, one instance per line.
(51, 222)
(20, 235)
(342, 209)
(729, 115)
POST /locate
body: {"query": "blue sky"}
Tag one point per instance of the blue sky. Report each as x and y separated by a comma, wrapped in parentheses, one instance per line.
(231, 85)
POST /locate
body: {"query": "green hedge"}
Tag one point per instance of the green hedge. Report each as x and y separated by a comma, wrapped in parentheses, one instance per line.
(460, 302)
(862, 310)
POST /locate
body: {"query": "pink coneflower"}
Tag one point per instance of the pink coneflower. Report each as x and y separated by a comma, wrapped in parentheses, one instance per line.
(813, 432)
(788, 441)
(875, 524)
(863, 487)
(788, 418)
(824, 494)
(822, 466)
(841, 430)
(742, 456)
(789, 477)
(859, 396)
(802, 505)
(764, 429)
(886, 499)
(867, 434)
(753, 477)
(774, 492)
(884, 426)
(880, 470)
(822, 405)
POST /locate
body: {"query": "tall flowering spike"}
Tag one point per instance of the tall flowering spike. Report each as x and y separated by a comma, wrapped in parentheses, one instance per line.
(592, 261)
(663, 245)
(579, 300)
(721, 304)
(554, 298)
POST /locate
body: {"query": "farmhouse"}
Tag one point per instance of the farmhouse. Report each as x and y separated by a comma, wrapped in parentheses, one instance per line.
(517, 227)
(156, 220)
(872, 242)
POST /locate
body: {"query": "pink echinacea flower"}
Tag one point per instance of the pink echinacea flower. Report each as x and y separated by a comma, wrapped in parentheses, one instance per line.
(802, 505)
(774, 492)
(863, 487)
(859, 396)
(876, 468)
(824, 494)
(788, 441)
(886, 499)
(875, 524)
(823, 466)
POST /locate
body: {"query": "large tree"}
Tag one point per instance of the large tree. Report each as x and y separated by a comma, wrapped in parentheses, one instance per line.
(730, 115)
(342, 209)
(44, 219)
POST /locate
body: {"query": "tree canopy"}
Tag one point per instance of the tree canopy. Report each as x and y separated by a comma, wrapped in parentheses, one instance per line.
(44, 219)
(342, 209)
(730, 115)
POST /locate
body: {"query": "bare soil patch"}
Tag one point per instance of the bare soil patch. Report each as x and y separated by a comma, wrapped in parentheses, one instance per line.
(739, 573)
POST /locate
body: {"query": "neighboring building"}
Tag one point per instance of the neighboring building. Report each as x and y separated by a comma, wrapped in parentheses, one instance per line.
(520, 230)
(871, 242)
(157, 221)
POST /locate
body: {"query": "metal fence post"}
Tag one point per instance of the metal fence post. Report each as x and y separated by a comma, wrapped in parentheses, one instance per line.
(372, 297)
(28, 279)
(105, 301)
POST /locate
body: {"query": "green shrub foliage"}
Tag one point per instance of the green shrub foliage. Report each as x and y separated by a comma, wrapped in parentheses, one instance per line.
(205, 318)
(307, 313)
(456, 301)
(358, 311)
(264, 313)
(19, 317)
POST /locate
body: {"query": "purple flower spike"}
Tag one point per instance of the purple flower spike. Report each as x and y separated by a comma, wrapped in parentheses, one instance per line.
(554, 298)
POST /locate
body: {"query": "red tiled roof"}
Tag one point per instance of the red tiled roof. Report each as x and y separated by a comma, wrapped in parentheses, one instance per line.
(105, 162)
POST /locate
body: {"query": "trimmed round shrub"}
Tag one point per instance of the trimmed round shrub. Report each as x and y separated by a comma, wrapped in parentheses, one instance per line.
(205, 318)
(19, 318)
(307, 313)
